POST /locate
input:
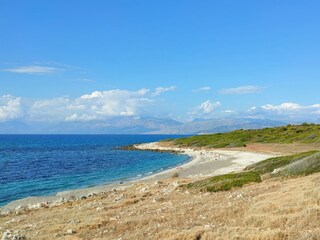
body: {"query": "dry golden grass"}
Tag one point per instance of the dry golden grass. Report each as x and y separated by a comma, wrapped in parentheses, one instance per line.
(273, 209)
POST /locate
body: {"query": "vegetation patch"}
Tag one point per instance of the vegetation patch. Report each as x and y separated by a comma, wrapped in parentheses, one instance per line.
(305, 133)
(225, 182)
(270, 164)
(303, 167)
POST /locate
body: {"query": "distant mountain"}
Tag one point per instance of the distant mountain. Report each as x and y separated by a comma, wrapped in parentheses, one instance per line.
(115, 125)
(220, 125)
(134, 125)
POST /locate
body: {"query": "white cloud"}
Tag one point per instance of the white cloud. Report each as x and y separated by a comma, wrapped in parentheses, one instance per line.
(96, 105)
(82, 117)
(202, 89)
(241, 90)
(287, 109)
(95, 94)
(33, 69)
(10, 107)
(54, 109)
(284, 107)
(207, 108)
(228, 111)
(160, 90)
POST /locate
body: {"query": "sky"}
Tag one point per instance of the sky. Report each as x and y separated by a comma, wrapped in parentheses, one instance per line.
(82, 60)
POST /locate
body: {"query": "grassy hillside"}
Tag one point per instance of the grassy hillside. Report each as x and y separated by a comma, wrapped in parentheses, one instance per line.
(305, 133)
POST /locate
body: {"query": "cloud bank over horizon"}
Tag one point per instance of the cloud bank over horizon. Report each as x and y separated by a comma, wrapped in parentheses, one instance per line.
(100, 105)
(97, 105)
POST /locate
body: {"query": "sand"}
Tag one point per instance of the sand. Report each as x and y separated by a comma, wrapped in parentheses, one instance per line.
(206, 162)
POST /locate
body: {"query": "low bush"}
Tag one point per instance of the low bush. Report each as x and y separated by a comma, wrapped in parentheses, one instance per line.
(225, 182)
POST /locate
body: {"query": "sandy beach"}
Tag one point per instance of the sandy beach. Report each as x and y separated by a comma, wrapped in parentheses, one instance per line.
(203, 163)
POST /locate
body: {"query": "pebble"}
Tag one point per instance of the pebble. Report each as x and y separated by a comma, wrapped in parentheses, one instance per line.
(119, 198)
(71, 231)
(143, 189)
(91, 194)
(166, 190)
(10, 235)
(175, 184)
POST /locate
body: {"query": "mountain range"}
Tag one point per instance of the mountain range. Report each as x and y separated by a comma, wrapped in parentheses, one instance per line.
(135, 125)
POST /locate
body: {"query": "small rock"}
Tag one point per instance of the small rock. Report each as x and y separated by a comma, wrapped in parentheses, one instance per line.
(19, 209)
(70, 231)
(166, 190)
(91, 195)
(240, 195)
(74, 221)
(143, 189)
(72, 198)
(10, 235)
(175, 184)
(119, 198)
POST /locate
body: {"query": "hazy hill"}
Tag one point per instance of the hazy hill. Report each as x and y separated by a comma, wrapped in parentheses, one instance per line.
(133, 125)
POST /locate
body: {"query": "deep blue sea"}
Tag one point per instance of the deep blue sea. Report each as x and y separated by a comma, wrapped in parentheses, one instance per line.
(37, 165)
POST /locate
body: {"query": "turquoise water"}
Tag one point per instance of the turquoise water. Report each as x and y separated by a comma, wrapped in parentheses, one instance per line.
(37, 165)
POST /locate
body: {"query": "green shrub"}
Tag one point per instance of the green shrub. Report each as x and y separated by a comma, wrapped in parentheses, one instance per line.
(225, 182)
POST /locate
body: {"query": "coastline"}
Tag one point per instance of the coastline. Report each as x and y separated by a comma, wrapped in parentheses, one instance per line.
(203, 163)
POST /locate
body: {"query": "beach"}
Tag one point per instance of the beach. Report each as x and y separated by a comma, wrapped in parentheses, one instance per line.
(206, 162)
(157, 207)
(203, 163)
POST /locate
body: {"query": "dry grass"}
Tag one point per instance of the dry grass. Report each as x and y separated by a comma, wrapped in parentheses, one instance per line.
(274, 209)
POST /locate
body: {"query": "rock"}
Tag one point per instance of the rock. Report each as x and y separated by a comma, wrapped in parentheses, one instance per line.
(58, 201)
(143, 189)
(19, 209)
(10, 235)
(70, 231)
(38, 205)
(74, 221)
(175, 184)
(6, 235)
(72, 198)
(119, 198)
(91, 194)
(166, 190)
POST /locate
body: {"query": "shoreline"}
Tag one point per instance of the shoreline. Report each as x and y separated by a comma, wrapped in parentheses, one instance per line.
(203, 163)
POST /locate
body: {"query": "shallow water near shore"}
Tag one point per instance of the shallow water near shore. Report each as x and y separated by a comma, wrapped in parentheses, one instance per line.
(38, 165)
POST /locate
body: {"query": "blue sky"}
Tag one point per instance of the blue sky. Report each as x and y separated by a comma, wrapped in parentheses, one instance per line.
(88, 60)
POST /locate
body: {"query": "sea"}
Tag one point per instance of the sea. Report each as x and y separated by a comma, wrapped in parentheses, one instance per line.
(42, 165)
